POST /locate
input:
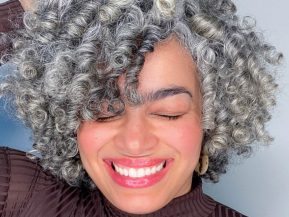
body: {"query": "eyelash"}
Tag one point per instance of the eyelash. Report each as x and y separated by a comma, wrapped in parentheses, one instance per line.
(105, 119)
(169, 117)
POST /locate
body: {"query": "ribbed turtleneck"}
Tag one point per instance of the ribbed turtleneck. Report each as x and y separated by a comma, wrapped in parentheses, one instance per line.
(26, 190)
(10, 15)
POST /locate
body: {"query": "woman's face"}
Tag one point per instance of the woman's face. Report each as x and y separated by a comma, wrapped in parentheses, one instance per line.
(145, 157)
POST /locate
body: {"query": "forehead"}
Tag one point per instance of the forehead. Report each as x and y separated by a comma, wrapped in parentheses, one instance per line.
(169, 65)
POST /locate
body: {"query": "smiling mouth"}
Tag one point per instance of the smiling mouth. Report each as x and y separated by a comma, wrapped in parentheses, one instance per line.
(138, 172)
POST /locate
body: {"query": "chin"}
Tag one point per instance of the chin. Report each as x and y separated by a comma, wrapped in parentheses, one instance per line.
(139, 204)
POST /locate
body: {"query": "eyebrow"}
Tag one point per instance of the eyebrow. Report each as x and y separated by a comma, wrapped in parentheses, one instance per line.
(163, 93)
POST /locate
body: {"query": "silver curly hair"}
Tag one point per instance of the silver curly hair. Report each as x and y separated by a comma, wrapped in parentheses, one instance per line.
(71, 53)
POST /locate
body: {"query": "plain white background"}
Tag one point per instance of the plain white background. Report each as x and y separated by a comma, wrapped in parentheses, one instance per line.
(258, 186)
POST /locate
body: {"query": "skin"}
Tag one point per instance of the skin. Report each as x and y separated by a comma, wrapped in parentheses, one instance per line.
(145, 131)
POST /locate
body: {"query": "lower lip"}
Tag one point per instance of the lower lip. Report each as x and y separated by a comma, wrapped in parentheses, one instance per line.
(143, 182)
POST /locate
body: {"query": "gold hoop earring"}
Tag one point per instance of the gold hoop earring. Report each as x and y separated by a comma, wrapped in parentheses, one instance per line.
(203, 165)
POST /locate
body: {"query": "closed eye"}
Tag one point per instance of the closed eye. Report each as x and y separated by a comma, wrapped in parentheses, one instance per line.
(169, 117)
(107, 119)
(114, 117)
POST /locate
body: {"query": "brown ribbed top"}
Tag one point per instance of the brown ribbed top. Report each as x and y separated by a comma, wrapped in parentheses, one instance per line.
(10, 15)
(26, 190)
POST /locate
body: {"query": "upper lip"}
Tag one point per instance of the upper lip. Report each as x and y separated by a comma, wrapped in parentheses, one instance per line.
(135, 162)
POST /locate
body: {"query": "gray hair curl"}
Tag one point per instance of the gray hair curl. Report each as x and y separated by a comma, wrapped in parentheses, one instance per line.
(71, 53)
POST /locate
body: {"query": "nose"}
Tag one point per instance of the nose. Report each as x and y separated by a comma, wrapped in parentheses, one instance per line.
(135, 136)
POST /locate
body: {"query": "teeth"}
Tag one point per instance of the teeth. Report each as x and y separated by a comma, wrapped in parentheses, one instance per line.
(147, 171)
(140, 172)
(153, 170)
(132, 173)
(125, 172)
(121, 171)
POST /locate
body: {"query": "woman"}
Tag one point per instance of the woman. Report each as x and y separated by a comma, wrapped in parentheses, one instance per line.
(130, 103)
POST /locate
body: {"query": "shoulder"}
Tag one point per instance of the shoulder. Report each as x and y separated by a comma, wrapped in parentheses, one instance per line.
(10, 4)
(20, 178)
(27, 190)
(10, 11)
(10, 7)
(16, 162)
(22, 171)
(10, 19)
(222, 210)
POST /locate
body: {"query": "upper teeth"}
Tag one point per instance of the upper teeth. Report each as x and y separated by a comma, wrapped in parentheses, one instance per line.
(138, 172)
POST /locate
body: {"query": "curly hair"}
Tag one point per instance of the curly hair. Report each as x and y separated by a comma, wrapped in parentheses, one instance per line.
(71, 53)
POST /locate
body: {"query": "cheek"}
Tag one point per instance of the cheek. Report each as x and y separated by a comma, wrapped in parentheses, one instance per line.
(186, 138)
(90, 138)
